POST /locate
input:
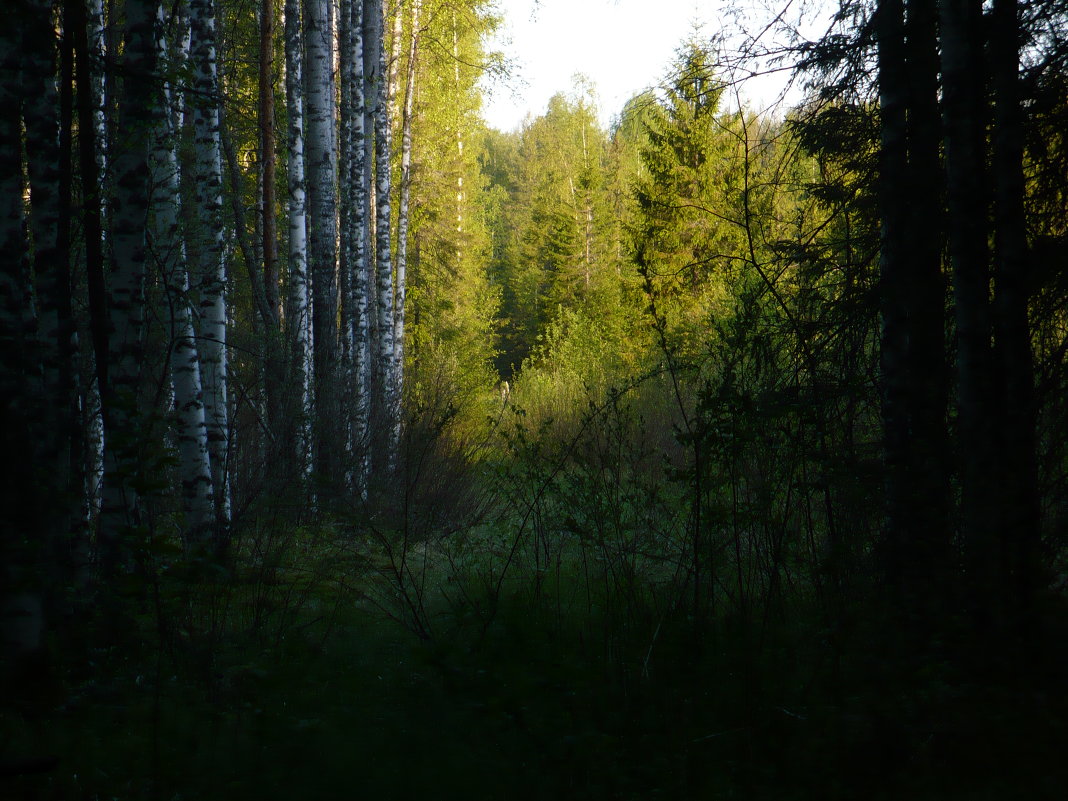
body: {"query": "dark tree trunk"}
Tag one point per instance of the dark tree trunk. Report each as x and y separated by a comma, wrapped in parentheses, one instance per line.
(1014, 366)
(928, 479)
(964, 118)
(274, 369)
(893, 206)
(90, 200)
(918, 535)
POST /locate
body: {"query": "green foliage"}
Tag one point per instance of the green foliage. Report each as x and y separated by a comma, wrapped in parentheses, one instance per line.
(557, 242)
(451, 301)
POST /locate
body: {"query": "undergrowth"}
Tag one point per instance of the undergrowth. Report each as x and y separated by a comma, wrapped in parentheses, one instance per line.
(553, 683)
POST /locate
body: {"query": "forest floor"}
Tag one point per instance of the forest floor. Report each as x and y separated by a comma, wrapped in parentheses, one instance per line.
(314, 681)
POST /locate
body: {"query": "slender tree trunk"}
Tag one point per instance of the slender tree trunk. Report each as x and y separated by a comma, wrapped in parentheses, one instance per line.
(210, 251)
(16, 295)
(1014, 360)
(917, 537)
(384, 253)
(362, 250)
(48, 169)
(893, 208)
(322, 207)
(298, 316)
(274, 381)
(346, 235)
(91, 130)
(198, 493)
(24, 539)
(405, 200)
(355, 209)
(459, 141)
(96, 53)
(377, 179)
(963, 109)
(396, 13)
(83, 421)
(267, 159)
(929, 560)
(119, 513)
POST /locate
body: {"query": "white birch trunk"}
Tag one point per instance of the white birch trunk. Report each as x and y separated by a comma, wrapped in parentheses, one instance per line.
(346, 76)
(361, 278)
(346, 73)
(193, 460)
(210, 251)
(298, 318)
(322, 228)
(354, 197)
(459, 142)
(97, 54)
(405, 200)
(377, 100)
(393, 57)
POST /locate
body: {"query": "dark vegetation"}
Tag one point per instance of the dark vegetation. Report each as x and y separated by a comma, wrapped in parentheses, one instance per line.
(772, 506)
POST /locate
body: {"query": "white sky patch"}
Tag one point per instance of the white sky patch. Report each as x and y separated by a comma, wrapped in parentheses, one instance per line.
(621, 46)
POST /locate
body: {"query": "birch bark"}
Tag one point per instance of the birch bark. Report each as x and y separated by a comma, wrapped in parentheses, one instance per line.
(88, 43)
(355, 208)
(167, 249)
(379, 281)
(206, 179)
(377, 169)
(383, 248)
(298, 316)
(405, 200)
(322, 229)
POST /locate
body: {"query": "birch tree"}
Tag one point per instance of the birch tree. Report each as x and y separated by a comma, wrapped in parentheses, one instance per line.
(377, 174)
(87, 34)
(449, 305)
(198, 493)
(383, 245)
(209, 243)
(298, 315)
(96, 56)
(322, 228)
(405, 199)
(355, 209)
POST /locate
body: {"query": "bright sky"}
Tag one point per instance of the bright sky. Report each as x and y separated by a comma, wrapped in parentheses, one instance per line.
(623, 46)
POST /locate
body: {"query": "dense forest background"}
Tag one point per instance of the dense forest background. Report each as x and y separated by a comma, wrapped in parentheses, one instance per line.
(355, 446)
